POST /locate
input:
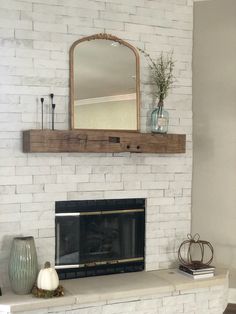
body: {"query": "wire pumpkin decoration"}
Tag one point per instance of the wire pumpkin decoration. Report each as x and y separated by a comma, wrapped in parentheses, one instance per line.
(190, 243)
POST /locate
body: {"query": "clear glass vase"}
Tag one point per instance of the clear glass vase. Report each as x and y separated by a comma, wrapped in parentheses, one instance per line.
(159, 119)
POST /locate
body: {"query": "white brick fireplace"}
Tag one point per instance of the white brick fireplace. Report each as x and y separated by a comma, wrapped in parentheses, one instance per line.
(35, 39)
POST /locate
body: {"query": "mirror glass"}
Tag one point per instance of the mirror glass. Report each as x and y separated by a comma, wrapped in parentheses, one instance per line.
(104, 84)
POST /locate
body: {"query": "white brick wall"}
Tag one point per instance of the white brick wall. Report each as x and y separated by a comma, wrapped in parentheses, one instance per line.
(35, 36)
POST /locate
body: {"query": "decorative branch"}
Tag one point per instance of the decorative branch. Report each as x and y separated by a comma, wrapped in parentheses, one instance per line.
(162, 73)
(53, 112)
(51, 96)
(53, 109)
(42, 100)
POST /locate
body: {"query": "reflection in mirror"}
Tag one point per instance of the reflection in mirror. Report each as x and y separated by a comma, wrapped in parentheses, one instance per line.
(104, 84)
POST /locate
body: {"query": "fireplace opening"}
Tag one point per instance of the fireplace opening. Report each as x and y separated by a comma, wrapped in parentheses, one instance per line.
(99, 237)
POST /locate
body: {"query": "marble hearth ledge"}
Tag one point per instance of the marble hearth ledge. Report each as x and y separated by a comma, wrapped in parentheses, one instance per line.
(109, 288)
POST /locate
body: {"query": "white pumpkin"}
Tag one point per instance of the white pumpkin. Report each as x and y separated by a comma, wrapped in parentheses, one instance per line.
(47, 278)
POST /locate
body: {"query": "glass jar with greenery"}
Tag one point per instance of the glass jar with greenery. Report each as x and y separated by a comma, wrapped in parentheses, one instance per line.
(162, 77)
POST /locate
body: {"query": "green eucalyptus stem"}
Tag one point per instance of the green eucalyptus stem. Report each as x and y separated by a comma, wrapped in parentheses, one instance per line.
(160, 103)
(162, 73)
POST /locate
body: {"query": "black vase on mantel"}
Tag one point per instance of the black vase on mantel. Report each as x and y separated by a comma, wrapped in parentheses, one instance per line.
(23, 265)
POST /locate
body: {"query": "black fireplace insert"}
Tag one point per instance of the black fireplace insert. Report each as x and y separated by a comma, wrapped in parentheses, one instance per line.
(98, 237)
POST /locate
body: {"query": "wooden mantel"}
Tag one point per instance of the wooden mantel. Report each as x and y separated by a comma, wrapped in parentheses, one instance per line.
(90, 141)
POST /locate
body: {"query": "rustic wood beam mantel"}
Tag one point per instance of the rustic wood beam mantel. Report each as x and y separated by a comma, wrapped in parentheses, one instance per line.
(91, 141)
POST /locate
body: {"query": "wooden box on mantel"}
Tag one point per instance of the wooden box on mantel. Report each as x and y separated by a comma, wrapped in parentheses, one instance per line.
(97, 141)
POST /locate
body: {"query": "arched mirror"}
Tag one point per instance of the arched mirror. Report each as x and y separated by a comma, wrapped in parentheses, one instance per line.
(104, 84)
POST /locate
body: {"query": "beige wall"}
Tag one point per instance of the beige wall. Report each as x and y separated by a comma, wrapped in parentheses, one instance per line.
(214, 111)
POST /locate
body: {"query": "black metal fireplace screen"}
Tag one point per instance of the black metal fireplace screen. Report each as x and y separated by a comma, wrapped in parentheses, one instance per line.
(99, 237)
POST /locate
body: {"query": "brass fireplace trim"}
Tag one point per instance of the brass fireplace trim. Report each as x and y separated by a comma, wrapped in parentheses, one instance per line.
(92, 264)
(101, 212)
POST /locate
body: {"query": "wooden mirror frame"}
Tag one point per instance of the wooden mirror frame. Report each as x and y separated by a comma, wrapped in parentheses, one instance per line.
(71, 54)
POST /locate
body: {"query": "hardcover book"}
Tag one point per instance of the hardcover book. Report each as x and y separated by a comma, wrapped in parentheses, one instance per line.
(204, 271)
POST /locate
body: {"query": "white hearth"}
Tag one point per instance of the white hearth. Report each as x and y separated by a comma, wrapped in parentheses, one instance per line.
(165, 291)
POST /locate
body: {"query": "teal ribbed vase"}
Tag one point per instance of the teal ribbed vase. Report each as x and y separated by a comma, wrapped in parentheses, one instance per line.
(23, 265)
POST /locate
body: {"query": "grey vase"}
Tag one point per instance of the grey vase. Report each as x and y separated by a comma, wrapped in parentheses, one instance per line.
(23, 265)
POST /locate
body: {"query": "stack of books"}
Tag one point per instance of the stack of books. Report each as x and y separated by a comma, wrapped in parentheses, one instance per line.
(198, 272)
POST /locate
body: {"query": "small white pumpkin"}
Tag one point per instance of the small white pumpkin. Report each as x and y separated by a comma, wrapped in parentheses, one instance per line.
(48, 278)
